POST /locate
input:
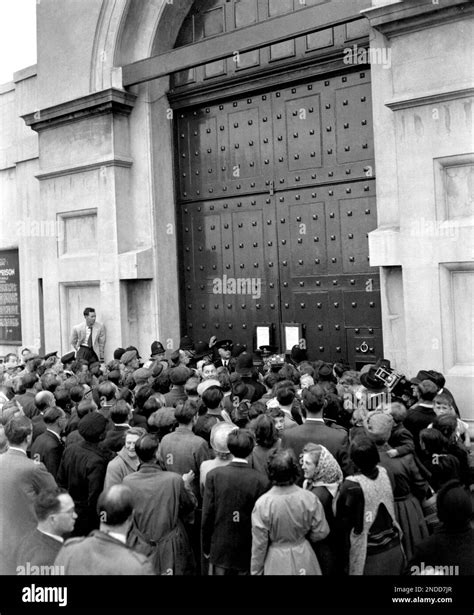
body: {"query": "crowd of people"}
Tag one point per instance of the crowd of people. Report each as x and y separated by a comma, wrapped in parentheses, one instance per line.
(210, 461)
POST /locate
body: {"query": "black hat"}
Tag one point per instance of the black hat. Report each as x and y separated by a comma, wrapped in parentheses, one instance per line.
(157, 348)
(325, 372)
(68, 357)
(186, 343)
(179, 375)
(423, 374)
(118, 352)
(244, 365)
(238, 349)
(92, 426)
(298, 354)
(174, 358)
(201, 349)
(369, 381)
(224, 344)
(454, 504)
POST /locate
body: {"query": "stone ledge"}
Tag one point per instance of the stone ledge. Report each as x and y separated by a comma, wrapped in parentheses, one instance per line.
(111, 100)
(410, 16)
(430, 98)
(91, 166)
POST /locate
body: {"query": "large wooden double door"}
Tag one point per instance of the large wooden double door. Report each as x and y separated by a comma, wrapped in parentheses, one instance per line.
(276, 197)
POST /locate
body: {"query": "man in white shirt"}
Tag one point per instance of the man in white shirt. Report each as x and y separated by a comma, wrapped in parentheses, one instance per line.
(56, 518)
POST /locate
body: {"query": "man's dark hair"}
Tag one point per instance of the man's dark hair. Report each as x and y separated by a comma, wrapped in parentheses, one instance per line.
(29, 380)
(151, 405)
(191, 385)
(289, 372)
(42, 400)
(63, 398)
(283, 467)
(115, 505)
(52, 415)
(47, 502)
(285, 396)
(240, 443)
(161, 384)
(313, 399)
(434, 441)
(120, 411)
(77, 366)
(88, 310)
(143, 395)
(265, 431)
(240, 415)
(107, 390)
(224, 381)
(18, 429)
(446, 424)
(185, 412)
(146, 447)
(212, 397)
(77, 393)
(84, 407)
(364, 454)
(49, 382)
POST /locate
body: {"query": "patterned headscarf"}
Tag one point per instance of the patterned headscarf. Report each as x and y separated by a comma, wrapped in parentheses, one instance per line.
(327, 473)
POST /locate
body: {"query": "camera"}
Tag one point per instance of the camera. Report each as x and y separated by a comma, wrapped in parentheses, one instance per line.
(394, 382)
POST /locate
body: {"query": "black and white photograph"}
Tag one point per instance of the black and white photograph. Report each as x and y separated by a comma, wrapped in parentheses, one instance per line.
(236, 305)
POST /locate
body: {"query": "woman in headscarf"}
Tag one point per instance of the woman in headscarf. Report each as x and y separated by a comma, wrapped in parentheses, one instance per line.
(323, 477)
(285, 520)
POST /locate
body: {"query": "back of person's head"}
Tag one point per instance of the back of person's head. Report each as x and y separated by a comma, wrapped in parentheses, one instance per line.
(146, 447)
(86, 406)
(289, 372)
(204, 426)
(364, 454)
(120, 411)
(53, 414)
(256, 409)
(223, 378)
(18, 429)
(107, 390)
(190, 386)
(265, 431)
(240, 415)
(454, 505)
(151, 405)
(127, 395)
(350, 378)
(283, 467)
(29, 380)
(162, 383)
(333, 408)
(47, 503)
(143, 395)
(212, 397)
(313, 399)
(285, 396)
(428, 390)
(63, 398)
(77, 393)
(9, 410)
(115, 505)
(433, 441)
(447, 425)
(240, 443)
(270, 380)
(306, 368)
(43, 400)
(49, 382)
(185, 412)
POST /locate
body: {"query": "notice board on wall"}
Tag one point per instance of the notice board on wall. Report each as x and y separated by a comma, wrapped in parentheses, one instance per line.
(10, 314)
